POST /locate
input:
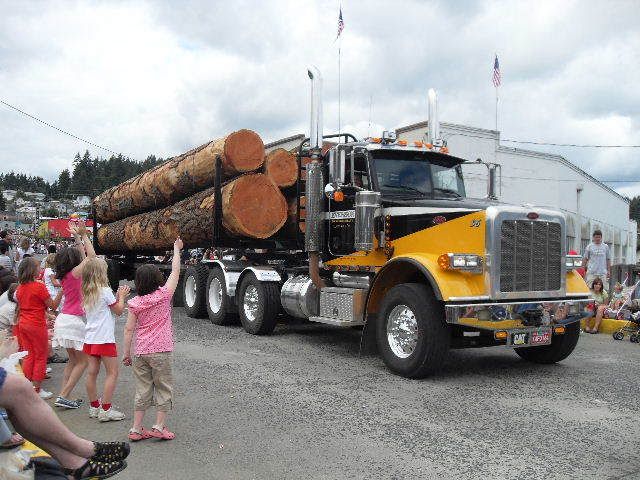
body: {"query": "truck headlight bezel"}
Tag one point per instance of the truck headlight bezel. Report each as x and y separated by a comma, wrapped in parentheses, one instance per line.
(573, 261)
(466, 262)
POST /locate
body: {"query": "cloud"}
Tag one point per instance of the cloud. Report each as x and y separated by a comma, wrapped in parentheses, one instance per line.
(159, 78)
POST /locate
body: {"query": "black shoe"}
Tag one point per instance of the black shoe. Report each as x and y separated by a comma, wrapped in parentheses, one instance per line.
(55, 358)
(110, 451)
(95, 470)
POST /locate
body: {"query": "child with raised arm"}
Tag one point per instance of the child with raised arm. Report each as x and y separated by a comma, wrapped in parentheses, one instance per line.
(150, 318)
(100, 306)
(70, 324)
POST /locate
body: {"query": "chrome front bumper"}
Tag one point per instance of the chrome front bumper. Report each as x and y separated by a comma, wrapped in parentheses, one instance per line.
(517, 315)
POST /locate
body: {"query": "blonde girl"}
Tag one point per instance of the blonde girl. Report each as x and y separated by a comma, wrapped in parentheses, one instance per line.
(100, 306)
(50, 281)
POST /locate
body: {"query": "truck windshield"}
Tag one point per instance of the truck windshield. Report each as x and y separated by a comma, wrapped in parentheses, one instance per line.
(417, 175)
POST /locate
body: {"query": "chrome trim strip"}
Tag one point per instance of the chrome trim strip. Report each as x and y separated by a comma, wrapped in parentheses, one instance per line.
(468, 299)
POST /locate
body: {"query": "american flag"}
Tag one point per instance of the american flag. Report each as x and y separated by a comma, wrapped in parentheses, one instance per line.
(496, 73)
(340, 24)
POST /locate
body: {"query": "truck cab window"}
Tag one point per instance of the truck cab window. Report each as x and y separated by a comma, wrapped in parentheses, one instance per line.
(360, 175)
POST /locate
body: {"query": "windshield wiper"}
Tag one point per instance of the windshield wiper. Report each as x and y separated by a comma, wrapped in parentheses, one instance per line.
(406, 188)
(447, 190)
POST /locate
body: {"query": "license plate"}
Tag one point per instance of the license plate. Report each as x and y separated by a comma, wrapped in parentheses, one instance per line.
(540, 338)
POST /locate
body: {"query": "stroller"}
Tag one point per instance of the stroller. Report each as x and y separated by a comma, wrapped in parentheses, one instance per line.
(629, 311)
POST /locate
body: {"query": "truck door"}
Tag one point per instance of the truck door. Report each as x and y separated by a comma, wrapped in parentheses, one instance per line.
(342, 214)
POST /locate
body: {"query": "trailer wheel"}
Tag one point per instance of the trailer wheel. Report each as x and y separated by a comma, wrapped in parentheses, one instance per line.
(258, 305)
(560, 348)
(113, 274)
(412, 335)
(219, 305)
(195, 285)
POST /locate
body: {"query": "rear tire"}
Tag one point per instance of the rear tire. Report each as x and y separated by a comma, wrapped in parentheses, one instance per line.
(413, 338)
(195, 286)
(113, 274)
(560, 348)
(178, 295)
(219, 306)
(258, 305)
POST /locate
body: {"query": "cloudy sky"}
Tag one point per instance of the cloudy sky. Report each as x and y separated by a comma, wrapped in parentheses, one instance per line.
(161, 77)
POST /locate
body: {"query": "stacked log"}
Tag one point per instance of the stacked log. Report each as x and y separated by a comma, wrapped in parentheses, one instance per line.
(252, 206)
(281, 166)
(181, 176)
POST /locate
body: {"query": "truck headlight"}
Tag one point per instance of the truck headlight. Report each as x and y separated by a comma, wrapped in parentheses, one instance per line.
(461, 261)
(573, 261)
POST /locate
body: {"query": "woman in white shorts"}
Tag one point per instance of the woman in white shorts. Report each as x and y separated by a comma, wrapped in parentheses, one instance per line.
(69, 328)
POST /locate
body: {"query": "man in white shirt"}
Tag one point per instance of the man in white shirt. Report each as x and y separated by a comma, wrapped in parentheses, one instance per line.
(597, 260)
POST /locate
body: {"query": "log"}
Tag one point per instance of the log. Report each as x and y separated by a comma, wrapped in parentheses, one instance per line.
(181, 176)
(281, 166)
(252, 206)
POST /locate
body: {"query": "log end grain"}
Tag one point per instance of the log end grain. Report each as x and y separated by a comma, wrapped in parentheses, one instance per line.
(244, 150)
(281, 167)
(254, 207)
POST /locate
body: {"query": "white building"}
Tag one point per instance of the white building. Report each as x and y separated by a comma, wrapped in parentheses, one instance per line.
(82, 201)
(9, 194)
(35, 196)
(536, 178)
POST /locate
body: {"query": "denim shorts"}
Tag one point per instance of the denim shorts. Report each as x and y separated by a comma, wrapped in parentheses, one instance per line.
(3, 376)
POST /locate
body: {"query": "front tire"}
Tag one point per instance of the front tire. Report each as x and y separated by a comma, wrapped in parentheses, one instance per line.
(412, 335)
(561, 347)
(219, 305)
(258, 305)
(195, 284)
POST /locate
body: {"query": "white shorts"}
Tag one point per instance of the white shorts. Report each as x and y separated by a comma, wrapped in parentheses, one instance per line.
(68, 332)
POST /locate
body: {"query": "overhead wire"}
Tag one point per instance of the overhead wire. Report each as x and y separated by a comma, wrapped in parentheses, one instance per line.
(33, 117)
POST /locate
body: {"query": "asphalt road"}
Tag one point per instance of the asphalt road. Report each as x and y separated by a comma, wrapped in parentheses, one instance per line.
(303, 403)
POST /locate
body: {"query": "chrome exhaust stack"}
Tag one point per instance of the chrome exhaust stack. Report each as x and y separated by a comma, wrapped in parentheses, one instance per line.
(314, 234)
(433, 123)
(315, 132)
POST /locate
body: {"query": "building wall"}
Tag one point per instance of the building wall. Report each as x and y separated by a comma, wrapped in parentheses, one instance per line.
(546, 180)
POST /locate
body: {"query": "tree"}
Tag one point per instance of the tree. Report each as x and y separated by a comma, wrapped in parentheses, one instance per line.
(3, 203)
(64, 182)
(50, 212)
(634, 209)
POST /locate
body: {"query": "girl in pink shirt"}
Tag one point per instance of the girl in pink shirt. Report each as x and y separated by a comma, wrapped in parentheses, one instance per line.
(150, 318)
(69, 326)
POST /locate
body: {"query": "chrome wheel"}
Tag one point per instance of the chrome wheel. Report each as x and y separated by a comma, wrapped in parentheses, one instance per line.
(250, 304)
(190, 288)
(215, 295)
(402, 331)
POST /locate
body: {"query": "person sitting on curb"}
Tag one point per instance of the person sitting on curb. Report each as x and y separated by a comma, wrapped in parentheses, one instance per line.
(601, 303)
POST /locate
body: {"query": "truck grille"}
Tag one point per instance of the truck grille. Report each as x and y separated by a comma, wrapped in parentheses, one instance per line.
(530, 256)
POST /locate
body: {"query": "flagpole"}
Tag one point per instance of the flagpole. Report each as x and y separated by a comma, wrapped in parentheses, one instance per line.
(496, 108)
(339, 93)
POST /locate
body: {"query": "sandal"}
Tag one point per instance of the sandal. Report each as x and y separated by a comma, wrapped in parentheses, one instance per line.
(136, 436)
(96, 470)
(162, 433)
(15, 441)
(110, 451)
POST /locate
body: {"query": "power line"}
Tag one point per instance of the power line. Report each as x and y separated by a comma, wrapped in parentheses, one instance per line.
(551, 144)
(56, 128)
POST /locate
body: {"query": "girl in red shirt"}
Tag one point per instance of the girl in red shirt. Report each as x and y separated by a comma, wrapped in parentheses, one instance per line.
(33, 299)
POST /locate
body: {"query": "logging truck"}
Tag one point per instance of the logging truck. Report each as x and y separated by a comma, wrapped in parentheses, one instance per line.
(388, 241)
